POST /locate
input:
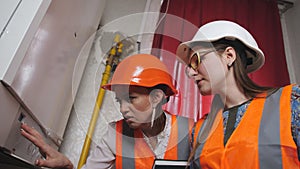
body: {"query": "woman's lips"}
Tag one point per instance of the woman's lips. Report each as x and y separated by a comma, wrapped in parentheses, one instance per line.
(199, 81)
(128, 119)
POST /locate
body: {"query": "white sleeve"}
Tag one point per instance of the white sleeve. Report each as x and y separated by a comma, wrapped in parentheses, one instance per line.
(103, 156)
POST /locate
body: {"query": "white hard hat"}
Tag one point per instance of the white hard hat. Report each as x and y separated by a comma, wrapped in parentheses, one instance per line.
(217, 30)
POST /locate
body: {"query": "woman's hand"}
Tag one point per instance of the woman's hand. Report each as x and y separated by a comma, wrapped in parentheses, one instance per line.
(54, 159)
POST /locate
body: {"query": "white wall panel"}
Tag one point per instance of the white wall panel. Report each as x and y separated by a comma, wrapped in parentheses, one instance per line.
(48, 77)
(22, 20)
(291, 34)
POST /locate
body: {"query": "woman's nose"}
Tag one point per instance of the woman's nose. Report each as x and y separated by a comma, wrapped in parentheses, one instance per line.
(123, 106)
(190, 72)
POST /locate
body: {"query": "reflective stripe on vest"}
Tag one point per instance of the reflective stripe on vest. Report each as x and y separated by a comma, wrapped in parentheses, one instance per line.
(269, 133)
(135, 153)
(183, 127)
(263, 139)
(200, 147)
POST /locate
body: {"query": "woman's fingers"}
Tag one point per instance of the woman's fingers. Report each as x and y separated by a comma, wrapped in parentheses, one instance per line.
(44, 163)
(53, 158)
(57, 161)
(31, 131)
(31, 134)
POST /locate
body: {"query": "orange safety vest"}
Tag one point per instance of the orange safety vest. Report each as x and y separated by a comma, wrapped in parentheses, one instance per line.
(134, 152)
(262, 140)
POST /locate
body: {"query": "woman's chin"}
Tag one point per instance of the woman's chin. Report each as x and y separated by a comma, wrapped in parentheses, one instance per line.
(134, 125)
(203, 91)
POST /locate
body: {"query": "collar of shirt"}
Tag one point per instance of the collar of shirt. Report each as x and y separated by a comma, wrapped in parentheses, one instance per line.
(162, 139)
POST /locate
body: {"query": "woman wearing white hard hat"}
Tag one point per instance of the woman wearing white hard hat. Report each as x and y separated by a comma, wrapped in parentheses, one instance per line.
(249, 126)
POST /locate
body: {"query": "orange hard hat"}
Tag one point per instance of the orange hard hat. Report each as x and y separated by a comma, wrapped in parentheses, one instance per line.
(143, 70)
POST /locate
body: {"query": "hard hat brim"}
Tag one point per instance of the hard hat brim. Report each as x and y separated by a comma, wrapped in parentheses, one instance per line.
(147, 78)
(183, 51)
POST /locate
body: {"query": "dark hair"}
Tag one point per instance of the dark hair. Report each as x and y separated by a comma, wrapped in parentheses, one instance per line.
(246, 85)
(164, 88)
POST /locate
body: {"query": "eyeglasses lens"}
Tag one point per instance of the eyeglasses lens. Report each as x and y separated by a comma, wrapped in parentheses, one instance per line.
(195, 61)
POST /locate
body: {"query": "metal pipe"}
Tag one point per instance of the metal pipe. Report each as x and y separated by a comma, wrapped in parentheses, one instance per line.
(115, 51)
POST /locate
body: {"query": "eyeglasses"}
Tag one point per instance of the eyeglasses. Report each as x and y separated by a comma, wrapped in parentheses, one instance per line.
(196, 59)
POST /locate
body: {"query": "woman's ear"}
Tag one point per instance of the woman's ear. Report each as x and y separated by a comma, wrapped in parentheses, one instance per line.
(229, 55)
(156, 96)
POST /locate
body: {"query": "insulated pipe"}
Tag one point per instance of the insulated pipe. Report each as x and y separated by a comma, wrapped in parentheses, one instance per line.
(115, 51)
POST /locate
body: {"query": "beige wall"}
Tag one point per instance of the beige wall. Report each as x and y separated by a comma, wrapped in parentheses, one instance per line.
(125, 17)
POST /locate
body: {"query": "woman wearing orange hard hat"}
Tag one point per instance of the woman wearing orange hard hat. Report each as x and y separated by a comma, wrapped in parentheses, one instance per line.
(142, 85)
(249, 126)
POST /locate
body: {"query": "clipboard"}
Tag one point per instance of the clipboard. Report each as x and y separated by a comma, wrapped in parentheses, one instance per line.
(167, 164)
